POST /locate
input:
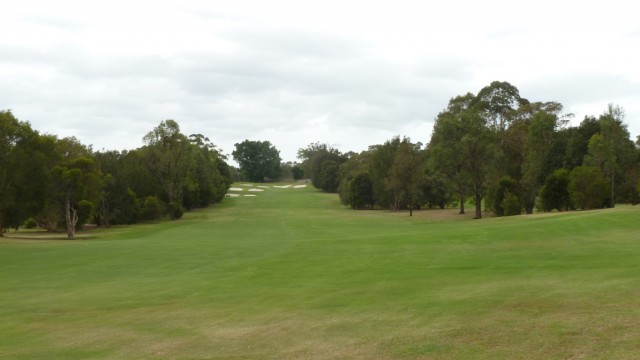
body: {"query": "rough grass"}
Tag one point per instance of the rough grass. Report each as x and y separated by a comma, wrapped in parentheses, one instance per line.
(292, 274)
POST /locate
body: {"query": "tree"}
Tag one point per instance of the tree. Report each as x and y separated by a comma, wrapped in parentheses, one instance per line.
(22, 177)
(498, 103)
(321, 163)
(170, 159)
(610, 149)
(506, 201)
(297, 172)
(406, 176)
(258, 160)
(555, 192)
(588, 188)
(381, 160)
(76, 183)
(539, 142)
(209, 180)
(356, 164)
(361, 191)
(479, 149)
(445, 153)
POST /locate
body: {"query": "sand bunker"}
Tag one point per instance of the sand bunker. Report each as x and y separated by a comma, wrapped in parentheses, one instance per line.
(255, 190)
(263, 187)
(236, 189)
(232, 195)
(281, 186)
(299, 186)
(249, 195)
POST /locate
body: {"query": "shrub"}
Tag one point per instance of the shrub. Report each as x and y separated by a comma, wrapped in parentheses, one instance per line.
(153, 208)
(175, 211)
(555, 192)
(511, 204)
(588, 188)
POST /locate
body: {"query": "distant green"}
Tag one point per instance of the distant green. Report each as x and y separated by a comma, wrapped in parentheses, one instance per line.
(290, 273)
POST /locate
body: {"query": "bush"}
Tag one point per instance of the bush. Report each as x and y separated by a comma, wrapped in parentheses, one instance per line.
(555, 192)
(153, 208)
(30, 223)
(175, 211)
(361, 191)
(511, 204)
(507, 186)
(588, 188)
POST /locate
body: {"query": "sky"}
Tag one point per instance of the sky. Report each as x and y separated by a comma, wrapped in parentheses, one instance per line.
(346, 73)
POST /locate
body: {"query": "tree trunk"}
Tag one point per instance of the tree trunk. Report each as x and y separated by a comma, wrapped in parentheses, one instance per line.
(478, 207)
(71, 219)
(461, 205)
(613, 194)
(410, 210)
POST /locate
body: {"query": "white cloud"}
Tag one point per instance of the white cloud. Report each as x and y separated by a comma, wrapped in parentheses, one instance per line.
(349, 73)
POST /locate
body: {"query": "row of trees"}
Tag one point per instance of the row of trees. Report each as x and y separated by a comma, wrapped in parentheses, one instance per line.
(494, 148)
(62, 184)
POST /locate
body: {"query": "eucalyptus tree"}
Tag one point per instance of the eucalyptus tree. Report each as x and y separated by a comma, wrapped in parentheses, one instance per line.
(463, 146)
(544, 122)
(209, 180)
(407, 176)
(170, 159)
(322, 165)
(445, 153)
(75, 183)
(258, 160)
(611, 150)
(22, 172)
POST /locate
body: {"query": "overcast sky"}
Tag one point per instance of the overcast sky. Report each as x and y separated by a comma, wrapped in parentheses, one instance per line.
(347, 73)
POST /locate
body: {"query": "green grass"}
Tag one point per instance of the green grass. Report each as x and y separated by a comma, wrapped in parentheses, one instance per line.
(292, 274)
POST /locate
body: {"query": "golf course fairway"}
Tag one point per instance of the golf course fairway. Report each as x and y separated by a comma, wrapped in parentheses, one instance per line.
(289, 273)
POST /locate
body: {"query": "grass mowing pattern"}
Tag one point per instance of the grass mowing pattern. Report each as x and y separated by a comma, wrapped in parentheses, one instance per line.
(292, 274)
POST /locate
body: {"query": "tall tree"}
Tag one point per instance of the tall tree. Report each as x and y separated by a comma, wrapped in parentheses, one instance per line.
(258, 160)
(321, 163)
(445, 154)
(538, 145)
(170, 159)
(478, 147)
(407, 176)
(209, 180)
(611, 149)
(21, 171)
(498, 103)
(76, 183)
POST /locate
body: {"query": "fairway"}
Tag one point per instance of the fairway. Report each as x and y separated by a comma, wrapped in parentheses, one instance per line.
(290, 273)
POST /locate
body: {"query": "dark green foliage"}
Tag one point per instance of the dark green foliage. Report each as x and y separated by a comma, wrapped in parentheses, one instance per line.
(507, 194)
(361, 191)
(297, 172)
(169, 157)
(75, 182)
(382, 158)
(175, 211)
(258, 160)
(153, 208)
(555, 192)
(511, 204)
(437, 191)
(406, 177)
(322, 165)
(588, 188)
(23, 171)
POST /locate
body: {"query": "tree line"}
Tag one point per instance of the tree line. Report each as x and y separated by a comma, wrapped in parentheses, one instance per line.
(496, 150)
(61, 184)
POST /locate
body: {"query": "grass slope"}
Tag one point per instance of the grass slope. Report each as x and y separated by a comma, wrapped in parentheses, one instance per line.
(291, 274)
